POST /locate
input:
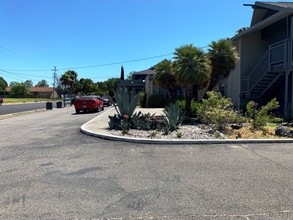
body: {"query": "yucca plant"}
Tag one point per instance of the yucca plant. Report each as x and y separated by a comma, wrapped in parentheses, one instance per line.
(126, 102)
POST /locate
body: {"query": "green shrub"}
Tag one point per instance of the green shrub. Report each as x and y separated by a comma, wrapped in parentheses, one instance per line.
(142, 99)
(179, 134)
(155, 101)
(260, 116)
(194, 106)
(217, 111)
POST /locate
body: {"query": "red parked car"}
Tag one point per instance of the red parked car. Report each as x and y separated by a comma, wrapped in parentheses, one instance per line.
(88, 103)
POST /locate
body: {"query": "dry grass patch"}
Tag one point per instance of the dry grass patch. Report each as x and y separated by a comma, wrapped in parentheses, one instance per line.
(248, 132)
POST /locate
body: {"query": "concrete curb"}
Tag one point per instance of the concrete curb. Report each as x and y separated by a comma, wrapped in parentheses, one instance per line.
(89, 132)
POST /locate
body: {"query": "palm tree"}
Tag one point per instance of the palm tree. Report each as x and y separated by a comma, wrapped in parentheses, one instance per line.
(192, 70)
(69, 78)
(165, 77)
(65, 80)
(223, 57)
(73, 78)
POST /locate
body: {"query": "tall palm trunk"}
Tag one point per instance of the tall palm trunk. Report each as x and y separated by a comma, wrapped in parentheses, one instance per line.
(213, 82)
(188, 98)
(195, 93)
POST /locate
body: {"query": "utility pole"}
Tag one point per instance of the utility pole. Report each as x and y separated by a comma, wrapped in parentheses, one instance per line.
(54, 80)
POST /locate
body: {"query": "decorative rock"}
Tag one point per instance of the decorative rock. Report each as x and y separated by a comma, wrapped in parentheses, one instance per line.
(210, 131)
(236, 126)
(288, 124)
(219, 135)
(284, 131)
(187, 131)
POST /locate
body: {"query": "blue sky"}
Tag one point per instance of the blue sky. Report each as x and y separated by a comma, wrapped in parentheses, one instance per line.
(37, 35)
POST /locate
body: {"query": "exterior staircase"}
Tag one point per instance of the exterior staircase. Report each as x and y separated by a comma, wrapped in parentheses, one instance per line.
(267, 75)
(268, 83)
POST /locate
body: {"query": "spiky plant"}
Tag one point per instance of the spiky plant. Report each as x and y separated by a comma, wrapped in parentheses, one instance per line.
(174, 117)
(126, 102)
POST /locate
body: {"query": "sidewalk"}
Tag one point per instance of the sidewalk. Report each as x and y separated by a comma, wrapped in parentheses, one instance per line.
(98, 126)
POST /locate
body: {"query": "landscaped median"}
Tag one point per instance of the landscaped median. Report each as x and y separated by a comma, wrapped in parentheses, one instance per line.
(99, 127)
(216, 122)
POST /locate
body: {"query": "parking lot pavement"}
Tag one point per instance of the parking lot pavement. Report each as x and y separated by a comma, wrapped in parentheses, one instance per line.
(49, 170)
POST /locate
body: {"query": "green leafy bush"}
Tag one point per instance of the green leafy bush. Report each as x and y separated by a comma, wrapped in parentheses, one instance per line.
(181, 103)
(217, 111)
(194, 106)
(260, 116)
(142, 99)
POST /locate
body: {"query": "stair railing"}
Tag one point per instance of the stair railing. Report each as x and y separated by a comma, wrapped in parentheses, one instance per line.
(276, 54)
(254, 76)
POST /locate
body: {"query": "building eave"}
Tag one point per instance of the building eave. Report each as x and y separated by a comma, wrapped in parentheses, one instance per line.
(266, 22)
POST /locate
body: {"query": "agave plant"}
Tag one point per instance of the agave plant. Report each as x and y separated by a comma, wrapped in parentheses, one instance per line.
(126, 102)
(174, 117)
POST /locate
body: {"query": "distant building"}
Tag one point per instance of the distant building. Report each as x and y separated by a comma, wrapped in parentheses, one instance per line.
(139, 81)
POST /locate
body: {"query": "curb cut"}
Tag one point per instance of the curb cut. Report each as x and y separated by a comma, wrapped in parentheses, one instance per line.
(86, 131)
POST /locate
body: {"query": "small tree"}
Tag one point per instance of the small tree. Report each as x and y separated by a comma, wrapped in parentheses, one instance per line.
(29, 83)
(86, 86)
(217, 111)
(42, 83)
(3, 85)
(260, 117)
(111, 85)
(20, 90)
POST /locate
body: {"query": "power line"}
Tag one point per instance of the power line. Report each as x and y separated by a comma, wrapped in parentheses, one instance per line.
(18, 77)
(23, 75)
(96, 65)
(92, 66)
(115, 63)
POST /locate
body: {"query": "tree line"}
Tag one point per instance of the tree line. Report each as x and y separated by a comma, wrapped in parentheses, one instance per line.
(194, 69)
(67, 85)
(191, 68)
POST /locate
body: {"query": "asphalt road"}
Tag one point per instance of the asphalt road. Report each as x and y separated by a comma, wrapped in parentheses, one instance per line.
(9, 109)
(49, 170)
